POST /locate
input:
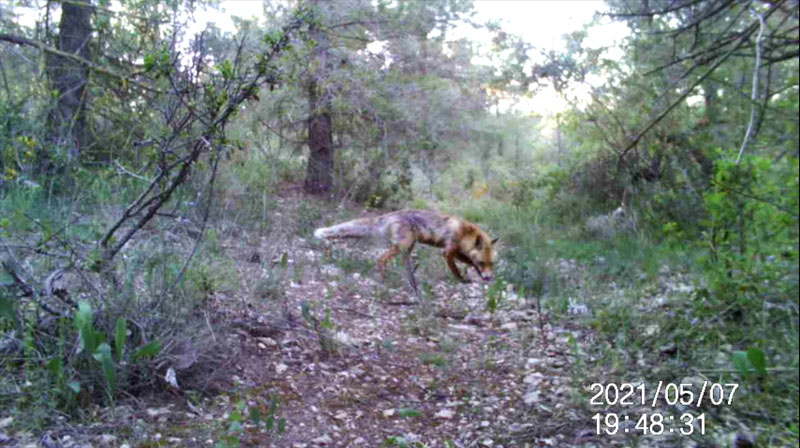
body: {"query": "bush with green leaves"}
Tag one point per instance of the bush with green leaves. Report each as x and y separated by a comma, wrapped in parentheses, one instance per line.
(750, 245)
(750, 261)
(233, 431)
(83, 363)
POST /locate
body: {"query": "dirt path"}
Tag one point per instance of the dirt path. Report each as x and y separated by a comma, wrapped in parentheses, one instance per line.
(326, 354)
(392, 368)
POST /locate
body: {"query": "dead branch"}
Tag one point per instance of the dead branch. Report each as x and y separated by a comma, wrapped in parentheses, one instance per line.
(11, 266)
(153, 205)
(19, 40)
(206, 212)
(754, 93)
(745, 35)
(660, 12)
(156, 195)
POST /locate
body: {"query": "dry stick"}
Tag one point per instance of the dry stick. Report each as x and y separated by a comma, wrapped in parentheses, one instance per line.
(11, 266)
(754, 94)
(720, 44)
(654, 13)
(350, 310)
(746, 33)
(154, 203)
(124, 170)
(37, 251)
(73, 255)
(157, 201)
(136, 206)
(203, 226)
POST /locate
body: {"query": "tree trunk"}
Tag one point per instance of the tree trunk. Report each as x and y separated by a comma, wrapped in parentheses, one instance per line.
(319, 171)
(67, 121)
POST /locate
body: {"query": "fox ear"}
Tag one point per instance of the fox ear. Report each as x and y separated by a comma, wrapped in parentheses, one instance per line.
(495, 240)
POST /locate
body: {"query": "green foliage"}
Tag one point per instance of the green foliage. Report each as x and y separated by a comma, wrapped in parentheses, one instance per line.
(88, 341)
(350, 262)
(268, 285)
(750, 241)
(322, 328)
(159, 61)
(434, 359)
(8, 315)
(408, 413)
(231, 437)
(753, 360)
(396, 441)
(273, 422)
(257, 175)
(149, 350)
(494, 295)
(211, 274)
(233, 431)
(93, 346)
(308, 218)
(103, 355)
(96, 372)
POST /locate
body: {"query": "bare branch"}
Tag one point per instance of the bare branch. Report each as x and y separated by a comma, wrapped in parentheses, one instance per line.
(155, 203)
(11, 266)
(206, 213)
(654, 13)
(754, 95)
(745, 35)
(19, 40)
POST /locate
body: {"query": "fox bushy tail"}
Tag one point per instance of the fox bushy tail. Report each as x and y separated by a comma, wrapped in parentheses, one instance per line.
(358, 228)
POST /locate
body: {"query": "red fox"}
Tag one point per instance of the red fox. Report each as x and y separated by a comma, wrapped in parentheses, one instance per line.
(461, 239)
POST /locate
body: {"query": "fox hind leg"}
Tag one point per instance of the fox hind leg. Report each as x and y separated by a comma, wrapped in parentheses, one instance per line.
(402, 241)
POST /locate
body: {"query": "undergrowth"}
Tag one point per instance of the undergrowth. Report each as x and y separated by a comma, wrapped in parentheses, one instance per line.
(723, 306)
(74, 337)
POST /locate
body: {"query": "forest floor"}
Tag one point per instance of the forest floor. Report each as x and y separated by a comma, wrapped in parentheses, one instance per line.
(339, 358)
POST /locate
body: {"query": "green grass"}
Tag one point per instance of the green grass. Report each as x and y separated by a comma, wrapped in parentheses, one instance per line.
(644, 329)
(72, 220)
(434, 359)
(351, 263)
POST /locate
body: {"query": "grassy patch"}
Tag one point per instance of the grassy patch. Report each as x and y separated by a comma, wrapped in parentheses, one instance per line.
(659, 310)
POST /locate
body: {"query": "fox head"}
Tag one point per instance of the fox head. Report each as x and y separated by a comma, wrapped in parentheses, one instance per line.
(482, 256)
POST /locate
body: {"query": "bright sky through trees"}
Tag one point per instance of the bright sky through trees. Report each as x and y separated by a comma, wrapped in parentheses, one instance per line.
(543, 23)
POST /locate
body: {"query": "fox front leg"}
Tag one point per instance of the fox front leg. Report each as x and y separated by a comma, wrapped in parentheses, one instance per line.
(450, 257)
(469, 263)
(388, 255)
(410, 270)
